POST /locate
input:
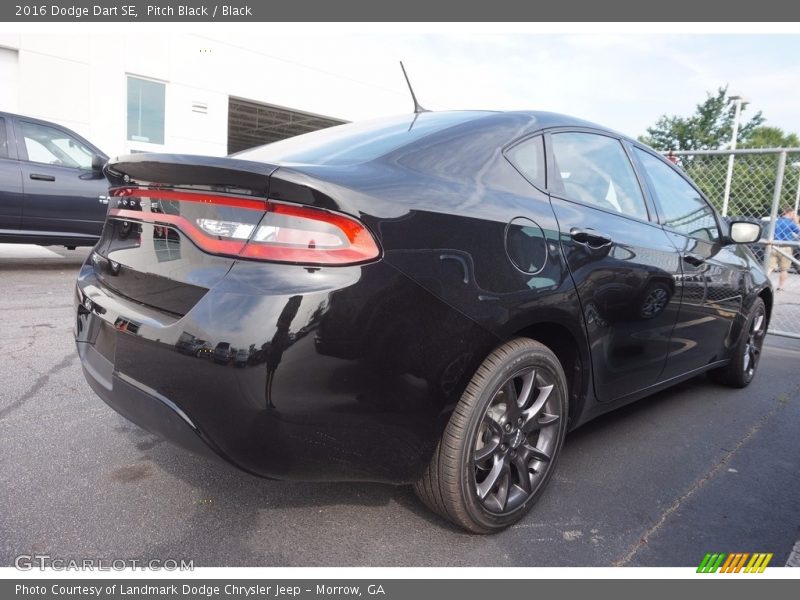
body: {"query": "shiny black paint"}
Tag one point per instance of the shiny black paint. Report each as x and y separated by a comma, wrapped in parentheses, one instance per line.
(340, 383)
(187, 171)
(615, 283)
(156, 265)
(711, 298)
(352, 372)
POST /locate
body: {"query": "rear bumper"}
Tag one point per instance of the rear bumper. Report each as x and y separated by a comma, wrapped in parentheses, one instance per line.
(139, 404)
(351, 372)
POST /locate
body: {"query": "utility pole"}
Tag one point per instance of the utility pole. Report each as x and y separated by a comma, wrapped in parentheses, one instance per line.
(737, 100)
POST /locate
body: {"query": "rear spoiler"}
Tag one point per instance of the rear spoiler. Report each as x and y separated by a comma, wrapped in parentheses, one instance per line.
(176, 170)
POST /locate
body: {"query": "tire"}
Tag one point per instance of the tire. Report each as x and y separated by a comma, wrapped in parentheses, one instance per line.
(494, 458)
(745, 358)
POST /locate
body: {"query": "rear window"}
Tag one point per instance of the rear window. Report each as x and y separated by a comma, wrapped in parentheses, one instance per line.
(356, 142)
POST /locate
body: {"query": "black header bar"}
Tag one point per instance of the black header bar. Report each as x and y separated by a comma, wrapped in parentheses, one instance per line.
(781, 11)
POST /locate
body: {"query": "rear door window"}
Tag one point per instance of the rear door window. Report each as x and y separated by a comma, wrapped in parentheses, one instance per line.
(594, 169)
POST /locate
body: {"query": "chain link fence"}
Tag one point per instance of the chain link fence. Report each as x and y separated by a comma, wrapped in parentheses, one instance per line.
(756, 184)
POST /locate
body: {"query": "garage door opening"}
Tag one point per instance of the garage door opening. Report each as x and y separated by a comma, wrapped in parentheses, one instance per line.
(254, 124)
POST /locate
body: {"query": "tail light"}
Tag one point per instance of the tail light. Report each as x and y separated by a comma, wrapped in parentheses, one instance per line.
(249, 227)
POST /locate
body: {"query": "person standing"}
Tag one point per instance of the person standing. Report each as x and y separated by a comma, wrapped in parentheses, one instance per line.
(786, 230)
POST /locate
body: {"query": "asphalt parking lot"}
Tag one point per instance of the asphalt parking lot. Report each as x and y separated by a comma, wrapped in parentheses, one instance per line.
(695, 469)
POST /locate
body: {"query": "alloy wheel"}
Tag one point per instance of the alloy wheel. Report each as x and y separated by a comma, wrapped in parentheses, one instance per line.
(516, 441)
(755, 340)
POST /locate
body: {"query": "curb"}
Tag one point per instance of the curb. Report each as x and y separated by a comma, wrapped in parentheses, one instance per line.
(794, 556)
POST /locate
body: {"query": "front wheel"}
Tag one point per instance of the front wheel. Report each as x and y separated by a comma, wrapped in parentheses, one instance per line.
(501, 444)
(747, 354)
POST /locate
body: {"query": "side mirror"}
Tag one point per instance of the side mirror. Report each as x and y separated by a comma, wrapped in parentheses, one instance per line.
(98, 162)
(744, 232)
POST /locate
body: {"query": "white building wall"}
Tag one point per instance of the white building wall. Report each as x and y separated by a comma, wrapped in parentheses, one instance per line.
(79, 80)
(9, 74)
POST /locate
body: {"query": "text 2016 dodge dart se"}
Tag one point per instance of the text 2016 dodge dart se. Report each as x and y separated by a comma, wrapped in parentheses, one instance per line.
(431, 299)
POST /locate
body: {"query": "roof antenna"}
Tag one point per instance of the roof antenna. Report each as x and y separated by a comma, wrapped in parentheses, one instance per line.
(417, 107)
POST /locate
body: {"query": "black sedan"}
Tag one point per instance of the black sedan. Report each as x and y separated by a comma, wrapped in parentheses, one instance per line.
(433, 299)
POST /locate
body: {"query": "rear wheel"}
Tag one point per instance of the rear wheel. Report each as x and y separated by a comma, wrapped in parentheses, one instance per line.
(744, 361)
(501, 444)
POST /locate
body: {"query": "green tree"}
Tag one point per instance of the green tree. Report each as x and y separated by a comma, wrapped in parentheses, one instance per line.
(770, 137)
(710, 127)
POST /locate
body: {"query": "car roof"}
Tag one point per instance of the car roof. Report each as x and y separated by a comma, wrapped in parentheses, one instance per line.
(32, 119)
(364, 141)
(551, 120)
(543, 119)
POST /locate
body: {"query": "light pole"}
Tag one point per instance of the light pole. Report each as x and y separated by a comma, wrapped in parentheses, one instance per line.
(738, 101)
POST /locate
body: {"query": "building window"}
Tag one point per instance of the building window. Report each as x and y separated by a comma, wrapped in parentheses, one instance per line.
(145, 110)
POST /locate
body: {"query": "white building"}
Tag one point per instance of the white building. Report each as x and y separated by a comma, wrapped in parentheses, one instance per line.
(198, 94)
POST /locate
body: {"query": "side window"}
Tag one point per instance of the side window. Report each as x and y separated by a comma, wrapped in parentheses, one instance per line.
(3, 139)
(54, 147)
(528, 158)
(681, 206)
(594, 169)
(146, 110)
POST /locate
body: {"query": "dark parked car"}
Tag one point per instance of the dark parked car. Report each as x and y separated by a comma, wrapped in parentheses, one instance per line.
(432, 299)
(222, 353)
(52, 189)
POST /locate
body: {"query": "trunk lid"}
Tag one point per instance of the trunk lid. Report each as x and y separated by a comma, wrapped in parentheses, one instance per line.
(176, 224)
(151, 259)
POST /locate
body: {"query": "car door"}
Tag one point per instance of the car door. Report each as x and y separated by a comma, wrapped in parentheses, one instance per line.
(622, 262)
(10, 180)
(713, 274)
(61, 192)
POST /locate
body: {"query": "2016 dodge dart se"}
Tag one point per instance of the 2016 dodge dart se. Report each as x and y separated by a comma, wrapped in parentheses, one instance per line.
(432, 299)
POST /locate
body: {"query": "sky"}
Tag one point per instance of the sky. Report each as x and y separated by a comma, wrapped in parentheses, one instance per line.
(624, 81)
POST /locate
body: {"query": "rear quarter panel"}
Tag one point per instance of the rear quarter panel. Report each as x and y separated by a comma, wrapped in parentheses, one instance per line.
(440, 209)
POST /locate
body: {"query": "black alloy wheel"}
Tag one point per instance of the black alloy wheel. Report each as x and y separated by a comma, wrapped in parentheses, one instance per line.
(754, 341)
(516, 441)
(500, 447)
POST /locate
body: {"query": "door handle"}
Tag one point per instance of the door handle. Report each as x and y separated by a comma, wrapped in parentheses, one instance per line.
(693, 259)
(41, 177)
(590, 237)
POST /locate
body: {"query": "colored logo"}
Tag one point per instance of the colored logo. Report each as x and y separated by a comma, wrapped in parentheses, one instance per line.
(743, 562)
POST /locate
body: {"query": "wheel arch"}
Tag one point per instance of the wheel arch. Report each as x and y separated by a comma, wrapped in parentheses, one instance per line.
(570, 348)
(766, 295)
